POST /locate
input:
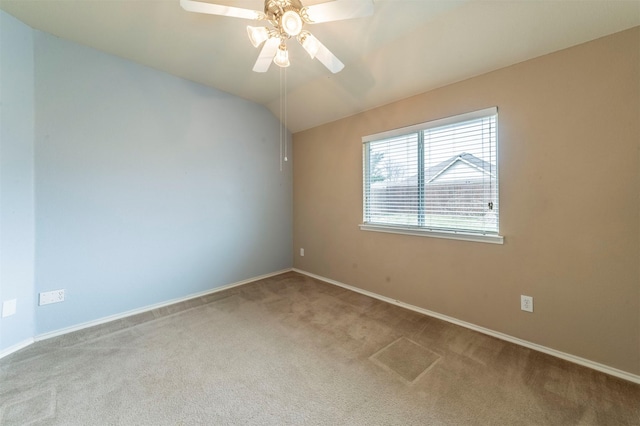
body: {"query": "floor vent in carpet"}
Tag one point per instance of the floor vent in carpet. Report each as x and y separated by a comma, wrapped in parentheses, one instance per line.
(406, 358)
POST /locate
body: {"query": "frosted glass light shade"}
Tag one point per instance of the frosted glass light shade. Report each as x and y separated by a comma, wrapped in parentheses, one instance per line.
(282, 57)
(257, 35)
(310, 44)
(291, 23)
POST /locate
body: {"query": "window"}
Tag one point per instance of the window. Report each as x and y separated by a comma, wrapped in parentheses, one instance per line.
(438, 178)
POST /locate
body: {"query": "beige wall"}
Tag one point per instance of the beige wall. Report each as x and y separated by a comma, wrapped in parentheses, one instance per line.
(569, 139)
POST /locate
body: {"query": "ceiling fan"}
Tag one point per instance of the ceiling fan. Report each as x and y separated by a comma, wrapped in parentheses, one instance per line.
(288, 19)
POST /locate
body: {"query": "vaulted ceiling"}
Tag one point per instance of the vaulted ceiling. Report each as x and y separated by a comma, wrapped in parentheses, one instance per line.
(407, 47)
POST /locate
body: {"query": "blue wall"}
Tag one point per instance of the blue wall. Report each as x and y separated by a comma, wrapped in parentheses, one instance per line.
(148, 187)
(16, 180)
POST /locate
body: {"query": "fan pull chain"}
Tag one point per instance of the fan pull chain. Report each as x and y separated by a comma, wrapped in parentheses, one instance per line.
(280, 119)
(283, 113)
(285, 116)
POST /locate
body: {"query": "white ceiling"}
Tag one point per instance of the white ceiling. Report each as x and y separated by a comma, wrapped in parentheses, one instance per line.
(407, 47)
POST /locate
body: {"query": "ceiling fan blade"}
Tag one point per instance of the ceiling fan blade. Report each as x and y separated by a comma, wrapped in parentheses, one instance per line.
(338, 10)
(267, 54)
(328, 59)
(218, 9)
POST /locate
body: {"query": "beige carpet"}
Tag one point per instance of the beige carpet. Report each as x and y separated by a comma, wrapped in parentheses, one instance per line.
(292, 350)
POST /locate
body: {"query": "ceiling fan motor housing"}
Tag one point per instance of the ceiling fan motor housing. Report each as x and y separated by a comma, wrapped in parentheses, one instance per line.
(274, 8)
(288, 16)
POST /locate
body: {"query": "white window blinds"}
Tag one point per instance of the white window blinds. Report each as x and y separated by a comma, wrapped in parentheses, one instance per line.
(440, 176)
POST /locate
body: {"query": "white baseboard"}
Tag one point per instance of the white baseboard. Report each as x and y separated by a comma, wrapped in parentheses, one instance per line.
(148, 308)
(15, 348)
(567, 357)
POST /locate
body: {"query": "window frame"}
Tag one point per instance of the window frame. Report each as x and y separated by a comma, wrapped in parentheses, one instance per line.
(435, 232)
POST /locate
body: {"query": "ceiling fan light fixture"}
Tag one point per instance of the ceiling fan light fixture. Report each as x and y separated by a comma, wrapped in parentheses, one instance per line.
(286, 19)
(291, 23)
(282, 57)
(309, 42)
(257, 35)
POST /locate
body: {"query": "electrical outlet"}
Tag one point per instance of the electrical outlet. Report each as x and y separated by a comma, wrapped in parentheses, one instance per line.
(302, 252)
(54, 296)
(9, 308)
(526, 303)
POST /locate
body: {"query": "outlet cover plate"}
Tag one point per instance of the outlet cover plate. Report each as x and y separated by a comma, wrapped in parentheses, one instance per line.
(526, 303)
(54, 296)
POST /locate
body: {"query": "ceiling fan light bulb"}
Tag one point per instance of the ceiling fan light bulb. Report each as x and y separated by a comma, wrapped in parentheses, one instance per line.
(282, 58)
(257, 35)
(291, 23)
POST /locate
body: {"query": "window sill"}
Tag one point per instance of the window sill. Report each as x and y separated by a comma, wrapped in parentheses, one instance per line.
(451, 235)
